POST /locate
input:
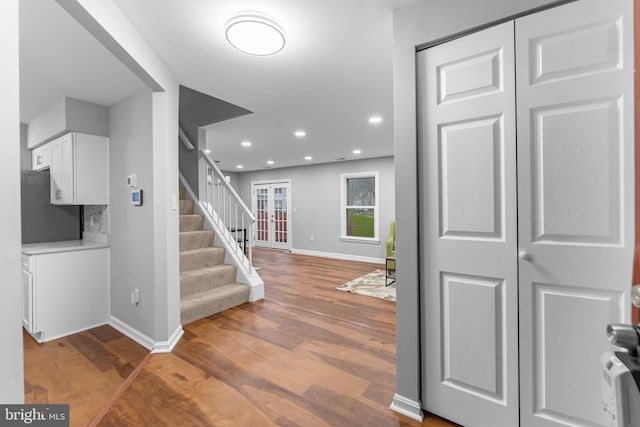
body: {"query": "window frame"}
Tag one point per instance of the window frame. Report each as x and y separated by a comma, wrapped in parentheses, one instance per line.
(343, 207)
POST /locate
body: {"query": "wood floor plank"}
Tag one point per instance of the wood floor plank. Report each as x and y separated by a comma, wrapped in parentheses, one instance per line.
(83, 370)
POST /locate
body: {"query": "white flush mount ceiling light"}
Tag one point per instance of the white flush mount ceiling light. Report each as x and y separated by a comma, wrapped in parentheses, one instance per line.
(255, 34)
(374, 120)
(300, 133)
(246, 143)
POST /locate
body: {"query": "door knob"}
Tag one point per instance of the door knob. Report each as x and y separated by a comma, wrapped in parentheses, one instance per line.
(525, 256)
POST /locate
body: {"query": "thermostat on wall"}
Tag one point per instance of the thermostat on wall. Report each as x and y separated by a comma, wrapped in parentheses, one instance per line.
(136, 197)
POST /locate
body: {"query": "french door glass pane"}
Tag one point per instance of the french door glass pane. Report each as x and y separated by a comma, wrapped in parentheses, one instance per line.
(262, 213)
(280, 214)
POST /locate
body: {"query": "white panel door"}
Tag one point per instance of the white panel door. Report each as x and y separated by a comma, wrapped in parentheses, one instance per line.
(468, 228)
(575, 190)
(273, 220)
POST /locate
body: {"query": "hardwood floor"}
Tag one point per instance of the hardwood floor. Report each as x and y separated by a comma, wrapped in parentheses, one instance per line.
(307, 355)
(83, 370)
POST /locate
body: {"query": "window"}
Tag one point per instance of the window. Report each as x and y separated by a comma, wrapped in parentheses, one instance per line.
(359, 213)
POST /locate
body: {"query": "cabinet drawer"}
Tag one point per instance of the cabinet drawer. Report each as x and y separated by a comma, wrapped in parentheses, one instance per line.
(41, 157)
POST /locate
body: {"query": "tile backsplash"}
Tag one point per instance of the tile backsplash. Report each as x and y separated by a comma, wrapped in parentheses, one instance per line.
(96, 223)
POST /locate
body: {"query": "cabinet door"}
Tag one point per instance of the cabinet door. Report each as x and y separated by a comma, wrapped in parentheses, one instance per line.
(41, 157)
(62, 190)
(27, 291)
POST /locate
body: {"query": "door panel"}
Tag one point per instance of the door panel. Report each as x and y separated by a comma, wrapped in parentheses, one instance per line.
(464, 183)
(589, 146)
(472, 313)
(575, 196)
(468, 226)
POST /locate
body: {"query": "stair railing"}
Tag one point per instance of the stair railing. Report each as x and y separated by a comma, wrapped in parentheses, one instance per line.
(226, 208)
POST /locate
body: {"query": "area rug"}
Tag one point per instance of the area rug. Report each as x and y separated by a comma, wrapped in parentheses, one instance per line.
(371, 284)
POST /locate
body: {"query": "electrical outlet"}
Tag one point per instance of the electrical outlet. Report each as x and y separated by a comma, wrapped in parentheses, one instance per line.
(135, 296)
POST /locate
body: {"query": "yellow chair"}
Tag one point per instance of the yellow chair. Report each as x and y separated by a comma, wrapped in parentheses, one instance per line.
(390, 261)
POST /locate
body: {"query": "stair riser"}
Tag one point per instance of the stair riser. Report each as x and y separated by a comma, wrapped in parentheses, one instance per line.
(195, 240)
(207, 305)
(202, 259)
(186, 207)
(183, 193)
(203, 280)
(191, 222)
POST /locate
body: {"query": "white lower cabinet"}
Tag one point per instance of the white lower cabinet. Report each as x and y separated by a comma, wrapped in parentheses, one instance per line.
(65, 292)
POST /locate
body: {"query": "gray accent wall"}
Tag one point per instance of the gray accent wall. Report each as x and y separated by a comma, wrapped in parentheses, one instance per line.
(42, 221)
(198, 109)
(132, 227)
(421, 25)
(11, 359)
(315, 196)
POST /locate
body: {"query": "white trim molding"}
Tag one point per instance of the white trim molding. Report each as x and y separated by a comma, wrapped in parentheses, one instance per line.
(334, 255)
(131, 332)
(167, 346)
(408, 407)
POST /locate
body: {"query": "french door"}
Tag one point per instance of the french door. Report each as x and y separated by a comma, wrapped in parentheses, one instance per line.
(271, 202)
(527, 217)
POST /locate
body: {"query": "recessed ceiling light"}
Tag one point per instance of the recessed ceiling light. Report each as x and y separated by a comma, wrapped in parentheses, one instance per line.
(239, 166)
(255, 33)
(308, 157)
(300, 133)
(374, 120)
(246, 143)
(357, 151)
(207, 151)
(270, 162)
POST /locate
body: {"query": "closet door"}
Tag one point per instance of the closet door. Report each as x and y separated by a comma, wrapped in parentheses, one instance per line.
(467, 158)
(575, 214)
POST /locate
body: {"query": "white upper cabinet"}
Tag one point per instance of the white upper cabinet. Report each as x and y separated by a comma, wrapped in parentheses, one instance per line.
(79, 170)
(41, 157)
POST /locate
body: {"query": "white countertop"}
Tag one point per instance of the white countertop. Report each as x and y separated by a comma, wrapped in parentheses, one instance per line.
(64, 246)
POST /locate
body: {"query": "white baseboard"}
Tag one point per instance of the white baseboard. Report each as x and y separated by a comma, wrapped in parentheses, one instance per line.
(167, 346)
(131, 332)
(334, 255)
(408, 407)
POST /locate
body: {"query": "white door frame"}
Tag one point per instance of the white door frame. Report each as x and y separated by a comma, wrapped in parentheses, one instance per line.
(272, 244)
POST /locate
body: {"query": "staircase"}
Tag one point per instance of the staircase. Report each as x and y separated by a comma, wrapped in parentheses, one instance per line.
(207, 284)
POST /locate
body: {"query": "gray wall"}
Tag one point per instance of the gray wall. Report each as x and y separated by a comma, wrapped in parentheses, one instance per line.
(11, 360)
(42, 221)
(131, 227)
(315, 195)
(420, 25)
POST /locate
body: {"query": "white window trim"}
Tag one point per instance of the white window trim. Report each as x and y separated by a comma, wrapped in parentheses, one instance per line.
(343, 208)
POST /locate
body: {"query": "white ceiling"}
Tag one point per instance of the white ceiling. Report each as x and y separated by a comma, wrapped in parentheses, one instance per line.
(58, 58)
(334, 73)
